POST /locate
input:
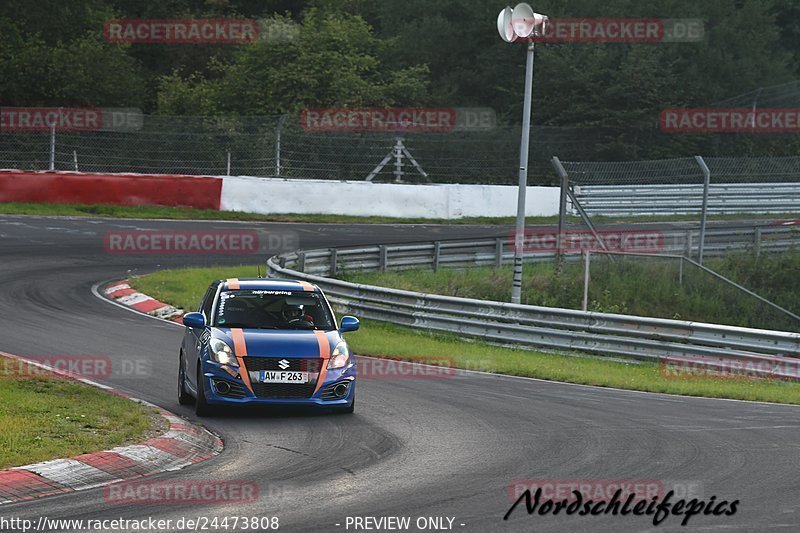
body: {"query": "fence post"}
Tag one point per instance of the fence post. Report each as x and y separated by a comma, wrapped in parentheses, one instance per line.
(301, 261)
(228, 173)
(52, 147)
(704, 213)
(75, 159)
(586, 264)
(680, 271)
(562, 206)
(437, 250)
(278, 129)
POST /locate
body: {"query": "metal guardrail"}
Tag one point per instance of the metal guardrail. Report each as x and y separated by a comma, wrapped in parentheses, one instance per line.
(533, 326)
(621, 200)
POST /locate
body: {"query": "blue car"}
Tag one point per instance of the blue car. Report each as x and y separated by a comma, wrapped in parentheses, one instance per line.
(266, 342)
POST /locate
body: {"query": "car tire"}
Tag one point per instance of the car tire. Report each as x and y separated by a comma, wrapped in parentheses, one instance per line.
(184, 398)
(201, 406)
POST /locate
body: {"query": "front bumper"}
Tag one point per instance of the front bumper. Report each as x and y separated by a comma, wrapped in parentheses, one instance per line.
(218, 379)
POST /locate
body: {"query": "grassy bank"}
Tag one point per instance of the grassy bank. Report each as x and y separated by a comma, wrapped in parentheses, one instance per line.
(185, 287)
(44, 417)
(183, 213)
(636, 287)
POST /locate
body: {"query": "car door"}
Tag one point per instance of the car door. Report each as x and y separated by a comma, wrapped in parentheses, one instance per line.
(194, 338)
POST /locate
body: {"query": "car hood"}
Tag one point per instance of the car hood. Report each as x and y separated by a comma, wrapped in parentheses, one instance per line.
(285, 343)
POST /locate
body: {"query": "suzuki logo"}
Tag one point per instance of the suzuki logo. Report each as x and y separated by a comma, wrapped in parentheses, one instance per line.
(284, 364)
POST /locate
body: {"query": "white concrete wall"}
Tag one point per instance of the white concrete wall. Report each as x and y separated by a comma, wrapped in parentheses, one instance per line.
(362, 198)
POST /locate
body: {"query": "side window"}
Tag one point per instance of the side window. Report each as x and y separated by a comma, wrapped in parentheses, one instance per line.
(208, 301)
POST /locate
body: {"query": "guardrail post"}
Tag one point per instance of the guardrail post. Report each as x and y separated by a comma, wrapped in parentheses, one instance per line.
(688, 244)
(437, 250)
(301, 261)
(586, 264)
(757, 239)
(498, 253)
(334, 258)
(383, 258)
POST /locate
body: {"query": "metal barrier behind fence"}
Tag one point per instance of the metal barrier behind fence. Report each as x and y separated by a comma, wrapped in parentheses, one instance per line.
(267, 146)
(677, 186)
(523, 325)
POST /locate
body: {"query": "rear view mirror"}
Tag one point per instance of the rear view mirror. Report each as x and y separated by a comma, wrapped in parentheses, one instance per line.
(349, 323)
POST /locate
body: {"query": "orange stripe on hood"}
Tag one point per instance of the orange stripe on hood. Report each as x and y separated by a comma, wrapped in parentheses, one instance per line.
(233, 284)
(240, 348)
(325, 354)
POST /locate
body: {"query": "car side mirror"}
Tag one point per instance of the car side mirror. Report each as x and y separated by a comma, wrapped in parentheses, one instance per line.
(194, 320)
(349, 323)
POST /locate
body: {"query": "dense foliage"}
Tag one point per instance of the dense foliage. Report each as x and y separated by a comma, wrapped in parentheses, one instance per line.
(405, 53)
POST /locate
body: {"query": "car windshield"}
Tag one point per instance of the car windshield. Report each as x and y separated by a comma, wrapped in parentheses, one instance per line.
(271, 309)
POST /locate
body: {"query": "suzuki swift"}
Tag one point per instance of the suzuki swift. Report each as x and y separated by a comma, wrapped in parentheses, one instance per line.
(266, 342)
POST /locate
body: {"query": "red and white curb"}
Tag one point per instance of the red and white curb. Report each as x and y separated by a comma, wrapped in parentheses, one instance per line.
(123, 294)
(184, 444)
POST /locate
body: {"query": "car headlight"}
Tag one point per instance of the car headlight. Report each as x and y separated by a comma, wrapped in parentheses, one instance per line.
(222, 353)
(340, 357)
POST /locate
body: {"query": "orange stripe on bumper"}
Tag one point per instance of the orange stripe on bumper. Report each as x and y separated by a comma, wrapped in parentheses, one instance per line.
(325, 354)
(240, 347)
(233, 284)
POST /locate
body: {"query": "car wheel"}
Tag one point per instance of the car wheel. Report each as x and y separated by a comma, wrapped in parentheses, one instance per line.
(201, 406)
(184, 398)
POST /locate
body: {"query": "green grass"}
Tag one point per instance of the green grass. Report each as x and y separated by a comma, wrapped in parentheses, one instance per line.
(636, 287)
(182, 213)
(43, 418)
(184, 288)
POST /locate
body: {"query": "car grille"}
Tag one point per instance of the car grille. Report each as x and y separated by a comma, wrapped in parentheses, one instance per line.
(284, 390)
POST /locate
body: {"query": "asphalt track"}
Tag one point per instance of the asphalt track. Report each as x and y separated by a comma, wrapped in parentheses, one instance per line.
(415, 447)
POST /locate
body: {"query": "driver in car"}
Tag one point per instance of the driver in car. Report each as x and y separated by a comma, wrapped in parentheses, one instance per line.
(296, 316)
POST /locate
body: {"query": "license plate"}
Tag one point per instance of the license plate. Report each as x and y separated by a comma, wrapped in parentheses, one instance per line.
(282, 376)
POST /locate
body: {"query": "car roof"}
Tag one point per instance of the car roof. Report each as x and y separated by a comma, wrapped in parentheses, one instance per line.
(268, 284)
